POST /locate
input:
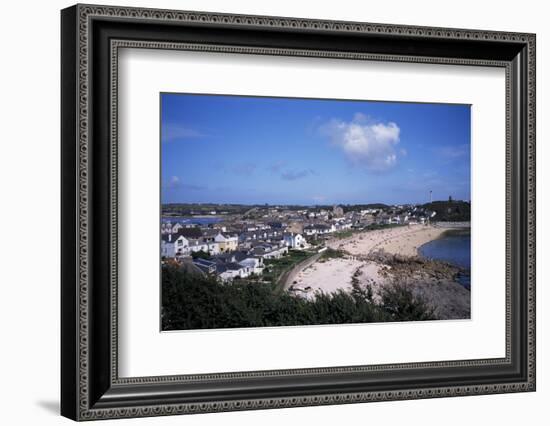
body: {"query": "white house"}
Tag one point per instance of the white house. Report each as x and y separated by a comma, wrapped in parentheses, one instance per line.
(319, 228)
(226, 243)
(253, 264)
(214, 248)
(226, 272)
(269, 251)
(295, 241)
(229, 272)
(177, 227)
(196, 245)
(168, 227)
(343, 226)
(165, 228)
(173, 245)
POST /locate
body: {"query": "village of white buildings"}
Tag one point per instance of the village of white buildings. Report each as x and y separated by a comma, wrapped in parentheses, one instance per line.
(241, 245)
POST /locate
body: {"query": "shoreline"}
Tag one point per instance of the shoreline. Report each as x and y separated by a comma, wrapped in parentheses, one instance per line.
(375, 259)
(402, 240)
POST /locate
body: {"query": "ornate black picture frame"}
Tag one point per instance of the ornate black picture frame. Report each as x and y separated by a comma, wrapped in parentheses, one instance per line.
(91, 36)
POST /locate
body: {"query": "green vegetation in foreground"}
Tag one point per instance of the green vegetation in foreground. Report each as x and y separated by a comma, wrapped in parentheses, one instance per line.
(202, 302)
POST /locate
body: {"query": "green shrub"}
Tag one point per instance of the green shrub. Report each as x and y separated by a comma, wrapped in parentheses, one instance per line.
(191, 301)
(400, 302)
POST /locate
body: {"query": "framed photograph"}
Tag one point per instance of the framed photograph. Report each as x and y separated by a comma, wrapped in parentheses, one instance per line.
(263, 212)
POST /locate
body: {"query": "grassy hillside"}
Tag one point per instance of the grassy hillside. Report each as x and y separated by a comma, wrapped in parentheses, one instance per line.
(449, 211)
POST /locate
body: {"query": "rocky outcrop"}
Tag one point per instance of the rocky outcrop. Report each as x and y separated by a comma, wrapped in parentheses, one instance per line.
(433, 281)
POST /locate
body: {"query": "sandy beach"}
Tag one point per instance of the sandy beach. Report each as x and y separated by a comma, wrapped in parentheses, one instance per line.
(328, 276)
(336, 274)
(331, 275)
(368, 263)
(402, 240)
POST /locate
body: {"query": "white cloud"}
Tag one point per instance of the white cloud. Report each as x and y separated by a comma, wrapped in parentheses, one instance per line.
(367, 144)
(173, 132)
(359, 117)
(173, 182)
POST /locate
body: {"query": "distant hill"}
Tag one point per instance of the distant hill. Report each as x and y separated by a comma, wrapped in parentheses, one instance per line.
(186, 209)
(449, 211)
(358, 207)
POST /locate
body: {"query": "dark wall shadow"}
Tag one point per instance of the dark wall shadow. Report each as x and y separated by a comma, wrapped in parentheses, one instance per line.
(50, 406)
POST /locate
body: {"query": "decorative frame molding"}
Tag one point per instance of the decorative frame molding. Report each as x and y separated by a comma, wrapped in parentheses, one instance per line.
(91, 37)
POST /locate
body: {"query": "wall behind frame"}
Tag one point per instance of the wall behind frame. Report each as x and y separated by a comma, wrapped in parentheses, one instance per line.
(29, 217)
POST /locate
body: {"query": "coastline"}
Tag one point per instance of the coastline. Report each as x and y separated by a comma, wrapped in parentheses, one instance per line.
(402, 240)
(378, 258)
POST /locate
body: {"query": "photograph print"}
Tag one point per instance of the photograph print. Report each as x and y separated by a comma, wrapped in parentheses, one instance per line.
(299, 212)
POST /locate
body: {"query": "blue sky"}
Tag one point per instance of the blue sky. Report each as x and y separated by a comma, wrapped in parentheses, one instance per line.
(249, 150)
